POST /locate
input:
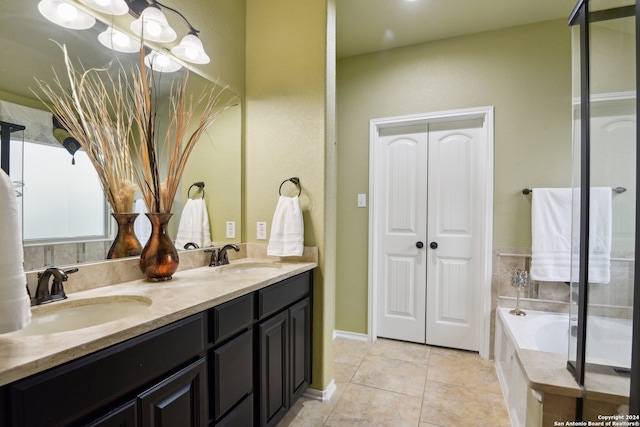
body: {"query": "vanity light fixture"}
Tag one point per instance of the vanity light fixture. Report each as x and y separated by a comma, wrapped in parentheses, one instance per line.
(66, 15)
(155, 24)
(160, 62)
(191, 50)
(111, 7)
(118, 41)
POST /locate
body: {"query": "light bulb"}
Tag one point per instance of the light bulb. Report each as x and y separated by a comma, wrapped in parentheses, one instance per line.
(162, 60)
(152, 28)
(103, 2)
(191, 53)
(120, 39)
(67, 12)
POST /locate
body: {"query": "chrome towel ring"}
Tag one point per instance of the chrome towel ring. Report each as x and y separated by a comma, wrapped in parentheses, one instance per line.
(200, 185)
(294, 180)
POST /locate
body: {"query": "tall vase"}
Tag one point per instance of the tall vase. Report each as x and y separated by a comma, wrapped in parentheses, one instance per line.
(126, 242)
(159, 258)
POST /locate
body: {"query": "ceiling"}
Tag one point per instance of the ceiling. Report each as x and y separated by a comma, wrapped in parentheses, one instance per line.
(365, 26)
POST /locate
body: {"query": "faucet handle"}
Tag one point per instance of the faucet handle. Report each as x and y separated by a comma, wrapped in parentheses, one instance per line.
(56, 285)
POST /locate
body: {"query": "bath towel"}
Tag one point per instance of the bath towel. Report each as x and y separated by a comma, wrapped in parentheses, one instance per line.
(287, 228)
(194, 224)
(15, 310)
(551, 240)
(142, 226)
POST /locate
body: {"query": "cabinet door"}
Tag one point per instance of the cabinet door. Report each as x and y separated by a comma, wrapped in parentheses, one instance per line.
(274, 367)
(232, 376)
(178, 401)
(300, 332)
(124, 416)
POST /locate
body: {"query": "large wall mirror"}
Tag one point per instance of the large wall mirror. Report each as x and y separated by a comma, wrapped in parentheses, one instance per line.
(26, 42)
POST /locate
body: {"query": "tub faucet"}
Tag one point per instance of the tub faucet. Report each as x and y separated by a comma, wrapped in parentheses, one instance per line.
(219, 256)
(44, 294)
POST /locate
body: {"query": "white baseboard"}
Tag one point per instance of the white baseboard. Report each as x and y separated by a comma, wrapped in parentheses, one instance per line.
(321, 395)
(350, 336)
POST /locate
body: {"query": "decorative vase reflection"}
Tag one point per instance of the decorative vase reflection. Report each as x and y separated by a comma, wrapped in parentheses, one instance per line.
(159, 258)
(126, 242)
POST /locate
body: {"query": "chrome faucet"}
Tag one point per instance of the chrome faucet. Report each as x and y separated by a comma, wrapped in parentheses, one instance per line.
(219, 256)
(44, 294)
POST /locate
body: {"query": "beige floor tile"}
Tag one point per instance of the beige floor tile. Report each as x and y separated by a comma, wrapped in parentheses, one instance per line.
(350, 352)
(366, 406)
(418, 353)
(308, 412)
(395, 375)
(343, 373)
(462, 368)
(450, 405)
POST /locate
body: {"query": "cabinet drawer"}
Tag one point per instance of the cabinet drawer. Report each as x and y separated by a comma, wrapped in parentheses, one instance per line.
(94, 381)
(232, 374)
(276, 297)
(241, 416)
(231, 317)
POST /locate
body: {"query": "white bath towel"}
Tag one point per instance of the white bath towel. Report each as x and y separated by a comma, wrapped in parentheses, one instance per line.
(142, 225)
(194, 224)
(551, 239)
(287, 228)
(15, 310)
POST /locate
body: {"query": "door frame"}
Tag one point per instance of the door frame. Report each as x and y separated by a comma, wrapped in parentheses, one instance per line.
(486, 231)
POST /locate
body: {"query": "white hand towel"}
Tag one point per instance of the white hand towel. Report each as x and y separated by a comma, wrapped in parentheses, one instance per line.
(287, 228)
(142, 225)
(551, 234)
(15, 311)
(551, 248)
(194, 224)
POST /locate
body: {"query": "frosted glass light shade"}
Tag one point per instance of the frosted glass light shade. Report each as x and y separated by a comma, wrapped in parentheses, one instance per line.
(66, 15)
(191, 50)
(160, 62)
(156, 27)
(119, 41)
(112, 7)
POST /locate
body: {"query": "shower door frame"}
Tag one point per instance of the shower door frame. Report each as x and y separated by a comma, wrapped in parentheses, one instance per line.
(581, 16)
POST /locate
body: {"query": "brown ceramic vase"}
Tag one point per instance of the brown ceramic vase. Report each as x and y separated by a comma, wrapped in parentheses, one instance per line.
(159, 258)
(126, 242)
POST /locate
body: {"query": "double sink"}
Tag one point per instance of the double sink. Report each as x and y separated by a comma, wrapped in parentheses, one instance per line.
(82, 313)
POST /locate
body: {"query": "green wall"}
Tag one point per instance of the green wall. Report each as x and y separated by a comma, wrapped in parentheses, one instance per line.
(288, 132)
(524, 72)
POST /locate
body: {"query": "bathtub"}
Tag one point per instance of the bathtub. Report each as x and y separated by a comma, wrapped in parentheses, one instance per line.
(608, 343)
(608, 339)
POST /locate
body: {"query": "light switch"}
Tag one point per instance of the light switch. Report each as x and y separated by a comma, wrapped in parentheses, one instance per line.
(262, 231)
(362, 200)
(231, 229)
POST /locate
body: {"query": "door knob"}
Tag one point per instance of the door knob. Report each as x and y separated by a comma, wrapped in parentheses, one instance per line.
(419, 245)
(433, 245)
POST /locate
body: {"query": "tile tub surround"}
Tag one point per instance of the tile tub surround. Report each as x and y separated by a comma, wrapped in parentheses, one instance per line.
(395, 383)
(191, 291)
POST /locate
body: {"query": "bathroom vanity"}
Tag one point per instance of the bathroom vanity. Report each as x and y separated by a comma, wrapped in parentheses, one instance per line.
(235, 350)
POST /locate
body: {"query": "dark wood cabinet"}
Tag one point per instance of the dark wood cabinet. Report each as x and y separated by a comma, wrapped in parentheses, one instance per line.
(284, 346)
(274, 366)
(239, 364)
(178, 401)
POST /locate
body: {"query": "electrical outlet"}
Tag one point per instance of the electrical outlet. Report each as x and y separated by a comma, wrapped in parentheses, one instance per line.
(362, 200)
(262, 231)
(231, 229)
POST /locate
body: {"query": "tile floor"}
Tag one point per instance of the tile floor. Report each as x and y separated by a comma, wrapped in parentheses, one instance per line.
(393, 383)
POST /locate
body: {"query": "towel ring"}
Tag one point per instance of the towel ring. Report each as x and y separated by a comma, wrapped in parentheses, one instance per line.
(295, 181)
(200, 185)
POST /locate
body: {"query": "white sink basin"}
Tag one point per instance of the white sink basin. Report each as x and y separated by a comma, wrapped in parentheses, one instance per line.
(83, 313)
(250, 268)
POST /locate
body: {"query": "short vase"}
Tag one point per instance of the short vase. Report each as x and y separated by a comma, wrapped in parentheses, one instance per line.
(159, 258)
(126, 242)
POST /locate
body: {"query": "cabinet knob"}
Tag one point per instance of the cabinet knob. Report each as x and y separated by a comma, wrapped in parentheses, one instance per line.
(419, 245)
(433, 245)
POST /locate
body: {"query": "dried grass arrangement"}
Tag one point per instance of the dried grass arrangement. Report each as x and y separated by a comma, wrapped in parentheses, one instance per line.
(116, 122)
(159, 160)
(89, 106)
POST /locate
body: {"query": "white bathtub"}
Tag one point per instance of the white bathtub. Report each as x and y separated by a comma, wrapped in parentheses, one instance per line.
(608, 339)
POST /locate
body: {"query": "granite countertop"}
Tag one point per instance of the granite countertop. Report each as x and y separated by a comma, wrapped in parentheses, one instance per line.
(191, 291)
